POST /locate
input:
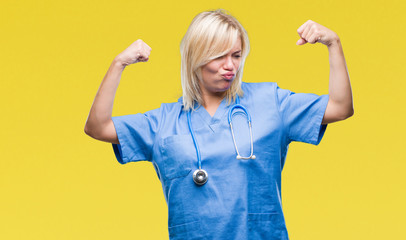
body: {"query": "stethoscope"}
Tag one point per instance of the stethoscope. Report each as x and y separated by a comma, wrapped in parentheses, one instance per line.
(200, 176)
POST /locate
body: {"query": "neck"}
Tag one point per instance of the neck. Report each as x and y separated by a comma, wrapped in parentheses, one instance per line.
(213, 100)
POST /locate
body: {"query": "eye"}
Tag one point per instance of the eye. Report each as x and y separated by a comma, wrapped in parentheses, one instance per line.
(237, 56)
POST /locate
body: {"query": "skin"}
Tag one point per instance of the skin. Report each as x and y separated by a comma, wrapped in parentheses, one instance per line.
(340, 104)
(99, 124)
(213, 84)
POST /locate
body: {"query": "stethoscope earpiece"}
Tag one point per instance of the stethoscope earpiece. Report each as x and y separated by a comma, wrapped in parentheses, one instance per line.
(250, 157)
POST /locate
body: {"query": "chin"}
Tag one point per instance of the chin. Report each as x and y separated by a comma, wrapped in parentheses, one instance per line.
(220, 89)
(225, 86)
(222, 86)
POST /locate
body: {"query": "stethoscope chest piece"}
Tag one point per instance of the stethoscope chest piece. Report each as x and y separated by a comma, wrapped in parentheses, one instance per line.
(200, 177)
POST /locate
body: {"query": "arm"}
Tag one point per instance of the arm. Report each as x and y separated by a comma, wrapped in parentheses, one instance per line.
(99, 124)
(340, 104)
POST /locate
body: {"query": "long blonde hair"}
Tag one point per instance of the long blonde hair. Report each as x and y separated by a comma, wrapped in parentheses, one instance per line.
(210, 35)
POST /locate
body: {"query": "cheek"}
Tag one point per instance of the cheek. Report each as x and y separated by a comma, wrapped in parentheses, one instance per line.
(212, 67)
(237, 64)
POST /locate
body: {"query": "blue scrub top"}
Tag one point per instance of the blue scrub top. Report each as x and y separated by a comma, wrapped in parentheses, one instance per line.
(242, 198)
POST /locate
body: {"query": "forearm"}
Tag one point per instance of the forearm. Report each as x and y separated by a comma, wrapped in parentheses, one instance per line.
(102, 107)
(339, 84)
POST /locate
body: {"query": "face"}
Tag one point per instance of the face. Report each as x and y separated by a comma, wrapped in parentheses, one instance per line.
(219, 73)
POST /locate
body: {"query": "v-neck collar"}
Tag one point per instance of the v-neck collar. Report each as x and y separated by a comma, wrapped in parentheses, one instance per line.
(205, 115)
(212, 122)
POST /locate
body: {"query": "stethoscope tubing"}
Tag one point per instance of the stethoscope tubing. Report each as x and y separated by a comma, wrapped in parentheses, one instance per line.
(199, 160)
(200, 176)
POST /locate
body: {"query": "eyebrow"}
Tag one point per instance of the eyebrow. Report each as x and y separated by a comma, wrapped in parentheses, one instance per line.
(237, 51)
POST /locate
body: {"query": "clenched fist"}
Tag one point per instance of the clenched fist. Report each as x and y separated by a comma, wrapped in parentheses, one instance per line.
(312, 32)
(138, 51)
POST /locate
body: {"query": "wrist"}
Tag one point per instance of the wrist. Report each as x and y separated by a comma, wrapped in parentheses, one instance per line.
(118, 63)
(335, 42)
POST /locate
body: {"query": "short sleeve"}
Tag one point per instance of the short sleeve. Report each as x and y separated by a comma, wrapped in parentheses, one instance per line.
(302, 114)
(136, 134)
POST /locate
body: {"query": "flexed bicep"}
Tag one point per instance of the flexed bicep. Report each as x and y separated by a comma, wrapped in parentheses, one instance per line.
(334, 113)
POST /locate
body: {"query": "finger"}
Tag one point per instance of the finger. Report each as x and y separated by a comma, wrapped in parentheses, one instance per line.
(147, 53)
(143, 57)
(314, 37)
(301, 28)
(145, 48)
(306, 31)
(144, 53)
(309, 35)
(301, 41)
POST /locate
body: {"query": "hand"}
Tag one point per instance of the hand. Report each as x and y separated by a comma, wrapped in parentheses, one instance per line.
(312, 32)
(138, 51)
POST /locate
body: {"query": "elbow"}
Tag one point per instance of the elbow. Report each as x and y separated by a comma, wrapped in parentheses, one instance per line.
(346, 110)
(348, 114)
(88, 131)
(336, 113)
(343, 114)
(351, 112)
(91, 133)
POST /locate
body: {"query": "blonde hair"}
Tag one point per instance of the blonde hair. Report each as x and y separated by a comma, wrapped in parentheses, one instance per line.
(210, 35)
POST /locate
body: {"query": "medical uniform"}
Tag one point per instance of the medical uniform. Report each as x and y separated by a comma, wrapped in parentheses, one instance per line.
(242, 198)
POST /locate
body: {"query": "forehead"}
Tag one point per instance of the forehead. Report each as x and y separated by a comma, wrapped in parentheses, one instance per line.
(237, 46)
(233, 48)
(222, 45)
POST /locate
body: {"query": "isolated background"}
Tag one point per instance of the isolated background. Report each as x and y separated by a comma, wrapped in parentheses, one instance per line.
(58, 183)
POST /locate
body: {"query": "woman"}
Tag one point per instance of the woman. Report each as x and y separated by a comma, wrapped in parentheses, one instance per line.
(221, 182)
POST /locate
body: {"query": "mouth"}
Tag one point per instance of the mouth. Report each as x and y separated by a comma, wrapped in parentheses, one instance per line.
(228, 76)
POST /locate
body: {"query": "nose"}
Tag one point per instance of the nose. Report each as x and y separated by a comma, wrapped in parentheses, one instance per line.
(229, 64)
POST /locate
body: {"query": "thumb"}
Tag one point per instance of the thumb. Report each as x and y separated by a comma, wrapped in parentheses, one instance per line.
(301, 41)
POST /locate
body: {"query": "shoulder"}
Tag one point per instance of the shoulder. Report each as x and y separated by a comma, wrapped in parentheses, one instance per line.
(259, 89)
(165, 109)
(258, 86)
(171, 107)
